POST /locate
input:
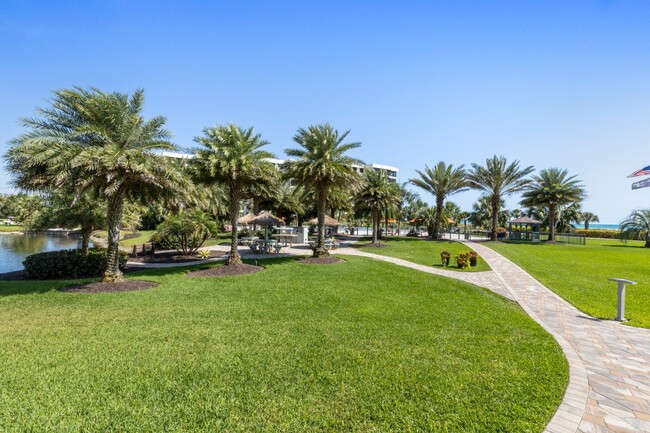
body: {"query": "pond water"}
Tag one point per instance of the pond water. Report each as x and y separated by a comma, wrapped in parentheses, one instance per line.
(14, 248)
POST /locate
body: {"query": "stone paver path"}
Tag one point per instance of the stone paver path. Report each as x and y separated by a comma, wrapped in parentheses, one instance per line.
(609, 388)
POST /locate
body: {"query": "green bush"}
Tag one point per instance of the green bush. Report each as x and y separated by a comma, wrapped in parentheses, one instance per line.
(68, 264)
(599, 233)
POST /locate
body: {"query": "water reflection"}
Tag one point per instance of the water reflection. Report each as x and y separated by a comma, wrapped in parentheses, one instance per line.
(14, 248)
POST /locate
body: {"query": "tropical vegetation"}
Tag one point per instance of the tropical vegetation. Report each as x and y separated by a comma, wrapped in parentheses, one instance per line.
(322, 166)
(637, 226)
(498, 179)
(550, 189)
(233, 157)
(97, 143)
(441, 181)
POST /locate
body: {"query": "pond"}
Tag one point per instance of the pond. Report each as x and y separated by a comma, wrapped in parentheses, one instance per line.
(14, 248)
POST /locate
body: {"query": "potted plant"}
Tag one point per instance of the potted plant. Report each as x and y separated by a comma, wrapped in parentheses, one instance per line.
(445, 256)
(473, 258)
(462, 260)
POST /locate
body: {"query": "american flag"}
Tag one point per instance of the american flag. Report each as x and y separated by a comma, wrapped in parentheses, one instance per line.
(643, 172)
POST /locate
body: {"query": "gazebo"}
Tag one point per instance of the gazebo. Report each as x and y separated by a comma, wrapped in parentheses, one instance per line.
(329, 222)
(524, 229)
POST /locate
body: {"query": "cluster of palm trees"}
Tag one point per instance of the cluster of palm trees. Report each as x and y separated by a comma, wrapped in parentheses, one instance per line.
(551, 189)
(99, 156)
(97, 148)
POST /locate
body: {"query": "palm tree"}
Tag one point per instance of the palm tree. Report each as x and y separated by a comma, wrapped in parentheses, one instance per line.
(91, 141)
(322, 166)
(376, 194)
(233, 157)
(589, 217)
(441, 181)
(550, 189)
(637, 226)
(62, 210)
(498, 179)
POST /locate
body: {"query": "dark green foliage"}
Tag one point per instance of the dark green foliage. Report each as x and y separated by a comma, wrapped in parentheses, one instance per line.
(68, 264)
(599, 233)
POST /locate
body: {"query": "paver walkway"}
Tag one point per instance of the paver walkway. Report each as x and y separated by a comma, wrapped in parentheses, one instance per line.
(609, 388)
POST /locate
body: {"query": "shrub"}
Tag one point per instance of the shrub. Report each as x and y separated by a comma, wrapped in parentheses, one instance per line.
(473, 258)
(445, 256)
(599, 233)
(68, 264)
(462, 260)
(185, 232)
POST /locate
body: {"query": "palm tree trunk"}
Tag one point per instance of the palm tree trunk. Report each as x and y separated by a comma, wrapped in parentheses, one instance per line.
(86, 232)
(436, 223)
(375, 225)
(586, 223)
(115, 205)
(495, 215)
(234, 258)
(320, 250)
(551, 223)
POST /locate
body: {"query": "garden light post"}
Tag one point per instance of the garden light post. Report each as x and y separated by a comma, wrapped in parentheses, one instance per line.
(620, 313)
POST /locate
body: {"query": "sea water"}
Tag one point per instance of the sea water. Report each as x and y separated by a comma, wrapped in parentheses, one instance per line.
(593, 226)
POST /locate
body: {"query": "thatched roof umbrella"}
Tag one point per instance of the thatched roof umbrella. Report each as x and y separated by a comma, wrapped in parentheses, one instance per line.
(267, 219)
(329, 221)
(246, 219)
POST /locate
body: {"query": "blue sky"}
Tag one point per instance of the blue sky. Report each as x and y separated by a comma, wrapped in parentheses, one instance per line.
(549, 83)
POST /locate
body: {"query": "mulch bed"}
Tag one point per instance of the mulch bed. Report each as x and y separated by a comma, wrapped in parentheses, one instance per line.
(224, 271)
(99, 287)
(173, 257)
(321, 261)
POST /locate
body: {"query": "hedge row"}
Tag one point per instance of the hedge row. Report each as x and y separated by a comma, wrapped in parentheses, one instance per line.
(68, 264)
(599, 233)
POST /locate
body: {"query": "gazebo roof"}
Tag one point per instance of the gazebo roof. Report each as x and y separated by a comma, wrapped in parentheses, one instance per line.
(329, 221)
(246, 219)
(267, 219)
(524, 220)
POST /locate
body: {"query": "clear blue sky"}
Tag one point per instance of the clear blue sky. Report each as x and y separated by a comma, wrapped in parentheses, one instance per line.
(551, 83)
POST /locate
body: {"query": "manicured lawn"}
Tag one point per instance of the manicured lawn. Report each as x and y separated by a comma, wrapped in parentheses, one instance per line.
(423, 251)
(359, 346)
(579, 274)
(10, 228)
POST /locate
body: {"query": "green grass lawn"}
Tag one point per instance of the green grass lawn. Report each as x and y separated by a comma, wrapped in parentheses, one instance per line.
(423, 251)
(579, 274)
(11, 228)
(360, 346)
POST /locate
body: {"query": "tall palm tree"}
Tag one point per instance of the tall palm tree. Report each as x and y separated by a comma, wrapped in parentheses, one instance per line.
(91, 141)
(637, 226)
(498, 179)
(322, 166)
(441, 181)
(231, 156)
(376, 194)
(550, 189)
(589, 217)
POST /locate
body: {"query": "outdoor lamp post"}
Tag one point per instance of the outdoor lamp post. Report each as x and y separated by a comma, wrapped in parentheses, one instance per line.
(620, 313)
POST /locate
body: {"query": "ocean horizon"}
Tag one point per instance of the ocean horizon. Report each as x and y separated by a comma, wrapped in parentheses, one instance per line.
(600, 226)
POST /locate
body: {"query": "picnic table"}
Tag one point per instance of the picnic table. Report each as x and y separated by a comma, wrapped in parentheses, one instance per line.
(285, 238)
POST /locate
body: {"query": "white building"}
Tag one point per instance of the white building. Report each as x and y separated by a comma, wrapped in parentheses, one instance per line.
(390, 171)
